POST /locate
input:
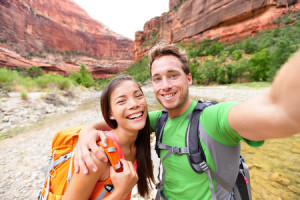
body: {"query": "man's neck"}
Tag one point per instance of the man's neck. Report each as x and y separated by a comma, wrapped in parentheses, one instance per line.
(173, 113)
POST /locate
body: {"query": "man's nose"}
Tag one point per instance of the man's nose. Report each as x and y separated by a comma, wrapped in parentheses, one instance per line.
(166, 84)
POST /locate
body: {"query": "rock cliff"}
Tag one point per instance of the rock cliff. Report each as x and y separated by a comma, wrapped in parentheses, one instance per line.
(226, 20)
(31, 26)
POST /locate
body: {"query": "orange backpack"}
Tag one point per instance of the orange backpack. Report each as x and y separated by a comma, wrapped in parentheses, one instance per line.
(61, 166)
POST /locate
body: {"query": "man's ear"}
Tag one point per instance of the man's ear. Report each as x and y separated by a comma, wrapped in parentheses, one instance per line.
(190, 79)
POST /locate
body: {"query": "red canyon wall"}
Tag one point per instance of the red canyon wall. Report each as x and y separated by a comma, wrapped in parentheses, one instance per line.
(37, 25)
(202, 19)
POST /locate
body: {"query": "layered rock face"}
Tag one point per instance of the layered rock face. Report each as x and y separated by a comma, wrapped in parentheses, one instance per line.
(39, 25)
(226, 20)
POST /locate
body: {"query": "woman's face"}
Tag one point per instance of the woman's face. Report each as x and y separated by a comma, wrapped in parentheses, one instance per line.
(128, 106)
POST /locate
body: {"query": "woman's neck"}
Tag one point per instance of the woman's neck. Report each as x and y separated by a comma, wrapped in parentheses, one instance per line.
(126, 140)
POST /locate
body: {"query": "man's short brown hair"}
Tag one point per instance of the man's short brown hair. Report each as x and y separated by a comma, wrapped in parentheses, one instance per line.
(163, 49)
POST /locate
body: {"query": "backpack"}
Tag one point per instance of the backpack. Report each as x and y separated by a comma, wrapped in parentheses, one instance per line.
(196, 157)
(61, 166)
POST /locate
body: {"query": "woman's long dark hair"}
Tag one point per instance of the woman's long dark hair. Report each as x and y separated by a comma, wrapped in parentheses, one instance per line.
(143, 152)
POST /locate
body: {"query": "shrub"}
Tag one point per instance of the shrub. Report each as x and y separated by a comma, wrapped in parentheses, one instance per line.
(51, 80)
(260, 65)
(279, 56)
(221, 79)
(249, 46)
(239, 70)
(82, 77)
(34, 71)
(236, 54)
(7, 79)
(194, 65)
(214, 49)
(7, 76)
(209, 71)
(140, 70)
(28, 83)
(24, 95)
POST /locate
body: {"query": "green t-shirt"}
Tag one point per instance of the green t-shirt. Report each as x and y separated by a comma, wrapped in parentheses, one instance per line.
(181, 182)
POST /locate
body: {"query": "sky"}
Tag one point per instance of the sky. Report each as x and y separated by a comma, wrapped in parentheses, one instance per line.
(124, 16)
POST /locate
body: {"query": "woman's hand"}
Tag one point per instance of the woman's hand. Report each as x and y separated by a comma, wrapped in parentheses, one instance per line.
(88, 137)
(123, 181)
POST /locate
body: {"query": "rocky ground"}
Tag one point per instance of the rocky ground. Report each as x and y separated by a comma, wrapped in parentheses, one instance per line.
(22, 156)
(16, 112)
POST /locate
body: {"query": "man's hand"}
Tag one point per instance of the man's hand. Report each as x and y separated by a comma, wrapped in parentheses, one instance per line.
(88, 137)
(124, 181)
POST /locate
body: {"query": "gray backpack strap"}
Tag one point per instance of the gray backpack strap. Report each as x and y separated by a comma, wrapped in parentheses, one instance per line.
(161, 182)
(107, 188)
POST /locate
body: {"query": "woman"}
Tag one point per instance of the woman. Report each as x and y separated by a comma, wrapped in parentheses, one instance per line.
(124, 109)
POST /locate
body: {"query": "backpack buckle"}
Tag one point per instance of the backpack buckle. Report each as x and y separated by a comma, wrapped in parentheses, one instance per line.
(176, 150)
(159, 186)
(203, 166)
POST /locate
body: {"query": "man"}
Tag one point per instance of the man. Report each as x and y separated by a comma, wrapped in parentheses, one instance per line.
(273, 114)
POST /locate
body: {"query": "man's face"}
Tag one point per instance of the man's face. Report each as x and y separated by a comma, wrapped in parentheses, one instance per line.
(170, 83)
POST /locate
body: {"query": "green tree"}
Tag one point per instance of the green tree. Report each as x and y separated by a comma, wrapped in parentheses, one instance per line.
(83, 77)
(279, 56)
(260, 65)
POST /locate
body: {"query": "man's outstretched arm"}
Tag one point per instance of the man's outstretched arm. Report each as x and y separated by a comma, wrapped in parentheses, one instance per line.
(275, 113)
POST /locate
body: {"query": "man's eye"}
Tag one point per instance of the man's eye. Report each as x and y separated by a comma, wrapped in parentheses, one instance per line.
(139, 95)
(156, 79)
(173, 76)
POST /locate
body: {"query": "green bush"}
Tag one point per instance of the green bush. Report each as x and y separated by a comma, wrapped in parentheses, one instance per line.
(34, 71)
(249, 46)
(140, 70)
(279, 56)
(236, 54)
(260, 65)
(27, 82)
(54, 81)
(7, 79)
(239, 70)
(221, 79)
(24, 95)
(214, 49)
(7, 76)
(209, 71)
(83, 77)
(194, 66)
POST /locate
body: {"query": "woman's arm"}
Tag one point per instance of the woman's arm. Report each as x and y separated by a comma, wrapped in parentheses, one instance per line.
(82, 185)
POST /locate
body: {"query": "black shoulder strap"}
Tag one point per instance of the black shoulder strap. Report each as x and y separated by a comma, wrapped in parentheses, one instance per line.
(196, 153)
(159, 129)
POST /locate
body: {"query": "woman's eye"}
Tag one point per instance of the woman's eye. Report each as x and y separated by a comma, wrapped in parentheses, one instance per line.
(173, 76)
(120, 101)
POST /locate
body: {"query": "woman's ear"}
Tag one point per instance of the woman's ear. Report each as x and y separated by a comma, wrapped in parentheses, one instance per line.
(111, 116)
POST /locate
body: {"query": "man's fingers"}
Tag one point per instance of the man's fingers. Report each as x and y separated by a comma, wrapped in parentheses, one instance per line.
(76, 166)
(82, 166)
(102, 136)
(100, 153)
(88, 159)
